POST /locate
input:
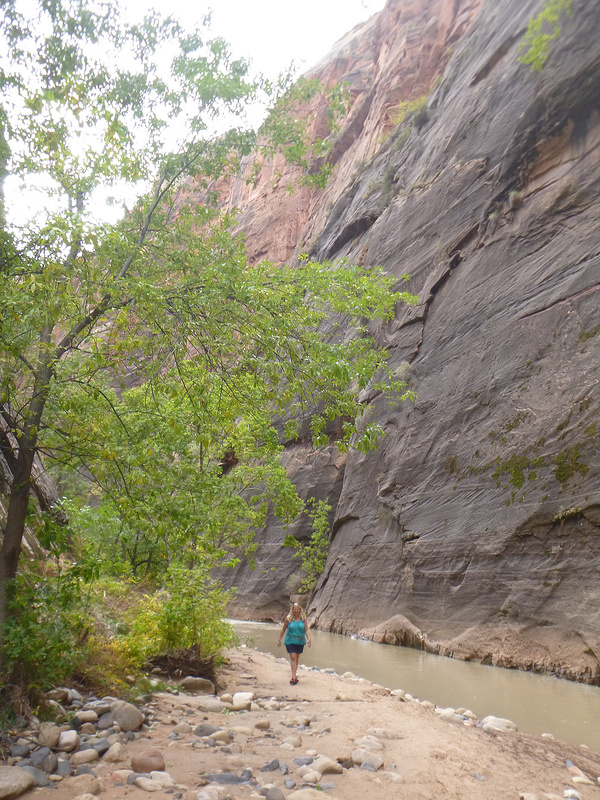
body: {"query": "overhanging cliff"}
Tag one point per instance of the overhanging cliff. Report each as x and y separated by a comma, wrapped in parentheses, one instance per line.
(474, 529)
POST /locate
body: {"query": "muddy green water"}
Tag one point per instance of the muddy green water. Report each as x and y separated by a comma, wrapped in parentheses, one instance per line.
(536, 703)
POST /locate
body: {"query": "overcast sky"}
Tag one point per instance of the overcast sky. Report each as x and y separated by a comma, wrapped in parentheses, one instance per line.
(273, 33)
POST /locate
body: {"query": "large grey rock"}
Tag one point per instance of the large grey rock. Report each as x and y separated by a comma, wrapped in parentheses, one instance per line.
(40, 778)
(127, 716)
(14, 781)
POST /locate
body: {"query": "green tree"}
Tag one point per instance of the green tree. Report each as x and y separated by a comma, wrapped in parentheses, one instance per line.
(143, 351)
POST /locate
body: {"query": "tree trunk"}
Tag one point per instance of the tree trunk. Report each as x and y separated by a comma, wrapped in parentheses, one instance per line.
(16, 517)
(15, 524)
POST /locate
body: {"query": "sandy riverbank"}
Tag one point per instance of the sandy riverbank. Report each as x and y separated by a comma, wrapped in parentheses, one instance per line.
(424, 756)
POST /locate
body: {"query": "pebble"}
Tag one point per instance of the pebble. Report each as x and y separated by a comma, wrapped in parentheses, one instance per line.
(226, 778)
(83, 757)
(303, 760)
(271, 766)
(311, 776)
(274, 793)
(361, 756)
(326, 766)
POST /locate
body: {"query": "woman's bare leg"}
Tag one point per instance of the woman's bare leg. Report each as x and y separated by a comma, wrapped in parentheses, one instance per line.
(294, 659)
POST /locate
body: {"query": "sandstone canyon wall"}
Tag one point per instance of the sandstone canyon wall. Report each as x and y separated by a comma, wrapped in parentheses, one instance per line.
(474, 529)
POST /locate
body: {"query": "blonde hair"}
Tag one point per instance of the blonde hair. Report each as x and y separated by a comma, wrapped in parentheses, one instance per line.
(290, 616)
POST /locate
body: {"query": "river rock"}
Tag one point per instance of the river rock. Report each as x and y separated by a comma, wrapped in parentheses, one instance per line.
(205, 729)
(84, 757)
(147, 784)
(274, 793)
(361, 756)
(311, 776)
(163, 778)
(20, 751)
(115, 753)
(99, 706)
(105, 721)
(183, 727)
(84, 784)
(39, 756)
(82, 717)
(491, 723)
(49, 734)
(326, 766)
(127, 716)
(40, 778)
(100, 745)
(68, 741)
(211, 704)
(14, 781)
(292, 741)
(59, 694)
(369, 743)
(302, 721)
(271, 766)
(450, 715)
(221, 737)
(63, 767)
(583, 779)
(87, 728)
(242, 701)
(191, 683)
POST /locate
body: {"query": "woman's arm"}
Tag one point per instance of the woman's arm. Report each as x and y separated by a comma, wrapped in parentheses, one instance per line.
(283, 630)
(306, 632)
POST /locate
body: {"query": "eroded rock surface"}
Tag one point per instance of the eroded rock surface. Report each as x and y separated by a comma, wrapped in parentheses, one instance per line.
(473, 530)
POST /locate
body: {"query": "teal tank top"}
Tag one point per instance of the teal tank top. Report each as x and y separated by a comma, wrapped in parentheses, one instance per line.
(294, 633)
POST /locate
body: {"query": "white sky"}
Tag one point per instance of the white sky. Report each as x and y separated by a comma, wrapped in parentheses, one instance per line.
(272, 33)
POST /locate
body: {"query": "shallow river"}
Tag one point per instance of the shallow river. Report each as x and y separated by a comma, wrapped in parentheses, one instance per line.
(537, 703)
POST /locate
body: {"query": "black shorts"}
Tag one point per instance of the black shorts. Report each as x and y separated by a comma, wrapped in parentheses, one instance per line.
(294, 648)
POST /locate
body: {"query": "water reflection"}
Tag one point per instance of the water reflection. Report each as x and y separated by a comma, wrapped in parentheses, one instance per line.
(537, 703)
